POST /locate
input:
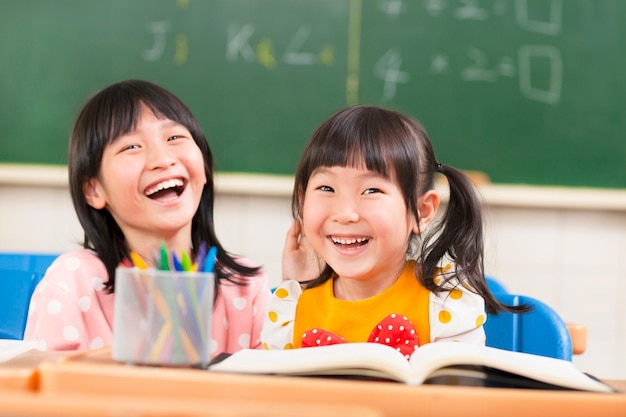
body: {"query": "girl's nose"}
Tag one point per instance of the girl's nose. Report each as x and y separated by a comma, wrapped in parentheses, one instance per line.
(160, 156)
(345, 211)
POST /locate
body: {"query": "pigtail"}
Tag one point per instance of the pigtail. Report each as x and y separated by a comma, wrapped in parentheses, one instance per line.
(458, 237)
(459, 233)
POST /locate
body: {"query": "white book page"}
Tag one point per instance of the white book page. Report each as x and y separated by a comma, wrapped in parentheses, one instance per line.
(433, 356)
(372, 359)
(11, 348)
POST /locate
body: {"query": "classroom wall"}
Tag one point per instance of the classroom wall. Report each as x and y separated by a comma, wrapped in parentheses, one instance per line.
(566, 247)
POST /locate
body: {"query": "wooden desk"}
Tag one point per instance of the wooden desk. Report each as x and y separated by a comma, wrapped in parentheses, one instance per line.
(33, 404)
(76, 384)
(95, 372)
(21, 395)
(22, 372)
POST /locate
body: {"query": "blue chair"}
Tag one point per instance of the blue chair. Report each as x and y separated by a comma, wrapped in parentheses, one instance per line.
(495, 286)
(16, 287)
(19, 275)
(541, 331)
(22, 261)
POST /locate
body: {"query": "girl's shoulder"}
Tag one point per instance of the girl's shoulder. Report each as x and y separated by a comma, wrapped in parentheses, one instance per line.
(77, 260)
(288, 290)
(76, 268)
(81, 253)
(455, 288)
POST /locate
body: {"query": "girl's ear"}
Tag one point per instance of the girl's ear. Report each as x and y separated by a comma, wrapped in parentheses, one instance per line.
(428, 204)
(94, 194)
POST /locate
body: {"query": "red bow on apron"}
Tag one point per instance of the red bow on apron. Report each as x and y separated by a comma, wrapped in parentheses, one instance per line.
(394, 330)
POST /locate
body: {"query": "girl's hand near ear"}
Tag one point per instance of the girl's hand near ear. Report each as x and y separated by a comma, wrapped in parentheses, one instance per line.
(300, 262)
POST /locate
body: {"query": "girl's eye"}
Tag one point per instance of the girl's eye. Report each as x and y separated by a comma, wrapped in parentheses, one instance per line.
(173, 137)
(372, 191)
(129, 147)
(325, 188)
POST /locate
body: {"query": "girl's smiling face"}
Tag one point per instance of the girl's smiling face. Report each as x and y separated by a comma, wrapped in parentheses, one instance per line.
(358, 222)
(151, 181)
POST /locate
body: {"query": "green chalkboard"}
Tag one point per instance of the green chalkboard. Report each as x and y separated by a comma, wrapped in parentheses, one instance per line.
(527, 91)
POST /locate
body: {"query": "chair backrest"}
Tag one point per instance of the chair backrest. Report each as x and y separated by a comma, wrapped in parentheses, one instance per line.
(19, 275)
(541, 331)
(16, 287)
(22, 261)
(495, 286)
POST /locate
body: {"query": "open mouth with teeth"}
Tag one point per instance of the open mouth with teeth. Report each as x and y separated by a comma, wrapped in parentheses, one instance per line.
(351, 242)
(166, 190)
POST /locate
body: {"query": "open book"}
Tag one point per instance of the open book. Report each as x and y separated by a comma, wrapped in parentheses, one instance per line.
(448, 363)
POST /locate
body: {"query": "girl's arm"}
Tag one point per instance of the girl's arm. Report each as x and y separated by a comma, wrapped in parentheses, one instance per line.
(69, 308)
(277, 332)
(457, 316)
(54, 319)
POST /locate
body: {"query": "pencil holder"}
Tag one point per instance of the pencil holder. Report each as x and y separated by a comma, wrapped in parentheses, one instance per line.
(162, 317)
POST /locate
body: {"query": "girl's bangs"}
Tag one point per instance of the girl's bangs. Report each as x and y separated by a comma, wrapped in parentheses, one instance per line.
(125, 115)
(357, 151)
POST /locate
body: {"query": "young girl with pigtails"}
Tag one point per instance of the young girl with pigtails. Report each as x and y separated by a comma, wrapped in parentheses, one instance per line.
(367, 259)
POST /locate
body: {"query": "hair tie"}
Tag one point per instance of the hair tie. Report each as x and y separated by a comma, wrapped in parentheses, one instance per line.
(438, 167)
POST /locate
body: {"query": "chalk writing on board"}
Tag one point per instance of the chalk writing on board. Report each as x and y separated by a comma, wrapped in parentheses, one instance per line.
(538, 67)
(526, 17)
(387, 68)
(471, 11)
(479, 69)
(532, 60)
(550, 56)
(182, 50)
(240, 45)
(158, 30)
(466, 9)
(265, 53)
(392, 8)
(549, 26)
(294, 55)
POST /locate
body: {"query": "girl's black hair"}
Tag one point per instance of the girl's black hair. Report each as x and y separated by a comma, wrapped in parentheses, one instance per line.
(112, 112)
(394, 145)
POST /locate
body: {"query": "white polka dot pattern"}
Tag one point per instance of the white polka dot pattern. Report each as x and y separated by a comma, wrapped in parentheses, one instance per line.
(84, 303)
(239, 303)
(96, 343)
(244, 340)
(53, 307)
(70, 333)
(72, 263)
